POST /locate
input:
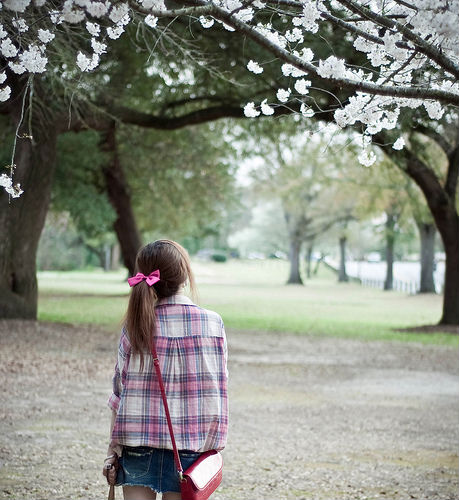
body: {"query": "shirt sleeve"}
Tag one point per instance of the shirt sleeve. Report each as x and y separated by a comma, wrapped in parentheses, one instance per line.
(121, 366)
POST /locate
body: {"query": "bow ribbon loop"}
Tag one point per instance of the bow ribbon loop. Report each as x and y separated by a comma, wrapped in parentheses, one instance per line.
(151, 279)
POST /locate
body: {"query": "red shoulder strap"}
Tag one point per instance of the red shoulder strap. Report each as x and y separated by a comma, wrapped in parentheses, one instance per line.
(177, 461)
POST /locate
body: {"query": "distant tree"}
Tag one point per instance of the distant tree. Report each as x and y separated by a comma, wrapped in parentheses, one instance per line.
(302, 174)
(172, 189)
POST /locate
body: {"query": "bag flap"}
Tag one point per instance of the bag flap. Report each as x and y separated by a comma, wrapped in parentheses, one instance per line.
(205, 469)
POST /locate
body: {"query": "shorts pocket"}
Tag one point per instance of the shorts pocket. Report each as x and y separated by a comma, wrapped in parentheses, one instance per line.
(188, 458)
(136, 462)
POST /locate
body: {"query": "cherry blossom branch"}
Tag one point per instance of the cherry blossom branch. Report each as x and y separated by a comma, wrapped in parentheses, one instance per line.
(360, 86)
(340, 22)
(423, 46)
(335, 20)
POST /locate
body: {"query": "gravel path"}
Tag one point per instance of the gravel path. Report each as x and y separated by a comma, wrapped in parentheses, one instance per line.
(311, 418)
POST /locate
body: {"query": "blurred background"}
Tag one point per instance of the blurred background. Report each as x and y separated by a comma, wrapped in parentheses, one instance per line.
(286, 230)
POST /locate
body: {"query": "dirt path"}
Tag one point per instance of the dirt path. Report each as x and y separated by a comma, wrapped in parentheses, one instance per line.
(310, 418)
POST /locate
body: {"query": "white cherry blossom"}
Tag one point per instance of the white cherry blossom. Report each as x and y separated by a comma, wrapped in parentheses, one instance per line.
(289, 70)
(266, 109)
(20, 25)
(86, 63)
(98, 47)
(7, 183)
(367, 158)
(45, 36)
(33, 59)
(115, 32)
(283, 95)
(5, 93)
(250, 111)
(119, 14)
(306, 111)
(295, 35)
(7, 48)
(93, 28)
(434, 109)
(151, 21)
(254, 67)
(332, 67)
(302, 86)
(16, 5)
(206, 22)
(399, 144)
(17, 68)
(98, 9)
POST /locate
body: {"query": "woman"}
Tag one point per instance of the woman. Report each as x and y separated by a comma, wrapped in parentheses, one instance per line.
(191, 346)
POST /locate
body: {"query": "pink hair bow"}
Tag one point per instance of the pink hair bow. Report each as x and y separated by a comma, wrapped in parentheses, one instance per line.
(151, 279)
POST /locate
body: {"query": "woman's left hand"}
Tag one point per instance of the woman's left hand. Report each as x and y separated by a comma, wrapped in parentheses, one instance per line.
(110, 469)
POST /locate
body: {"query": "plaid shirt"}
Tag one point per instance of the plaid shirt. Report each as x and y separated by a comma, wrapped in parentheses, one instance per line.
(192, 350)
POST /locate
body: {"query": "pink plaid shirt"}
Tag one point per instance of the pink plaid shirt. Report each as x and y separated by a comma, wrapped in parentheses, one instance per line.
(192, 350)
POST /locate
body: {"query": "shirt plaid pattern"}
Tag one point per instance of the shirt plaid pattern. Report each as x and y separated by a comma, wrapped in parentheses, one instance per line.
(192, 350)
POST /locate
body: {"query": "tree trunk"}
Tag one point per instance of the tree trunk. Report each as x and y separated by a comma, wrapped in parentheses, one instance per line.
(442, 205)
(441, 199)
(427, 237)
(22, 220)
(342, 275)
(294, 256)
(115, 257)
(309, 259)
(125, 225)
(390, 243)
(450, 314)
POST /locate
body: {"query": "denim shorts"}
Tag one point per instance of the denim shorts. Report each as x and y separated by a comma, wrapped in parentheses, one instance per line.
(152, 467)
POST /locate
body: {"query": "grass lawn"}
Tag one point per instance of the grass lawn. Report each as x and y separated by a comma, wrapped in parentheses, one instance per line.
(252, 295)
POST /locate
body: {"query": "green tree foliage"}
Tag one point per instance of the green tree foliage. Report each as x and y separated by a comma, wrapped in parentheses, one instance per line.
(182, 182)
(78, 185)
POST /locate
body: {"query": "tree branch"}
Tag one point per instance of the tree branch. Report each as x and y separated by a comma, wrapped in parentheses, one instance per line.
(134, 117)
(103, 121)
(424, 47)
(423, 175)
(328, 225)
(360, 86)
(339, 22)
(435, 136)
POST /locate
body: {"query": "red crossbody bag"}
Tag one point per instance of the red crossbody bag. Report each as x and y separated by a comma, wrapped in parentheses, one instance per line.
(202, 478)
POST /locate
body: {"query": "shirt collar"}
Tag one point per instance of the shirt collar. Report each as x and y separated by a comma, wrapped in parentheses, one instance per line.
(176, 299)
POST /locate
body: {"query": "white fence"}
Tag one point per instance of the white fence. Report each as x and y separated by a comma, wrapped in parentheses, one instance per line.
(406, 274)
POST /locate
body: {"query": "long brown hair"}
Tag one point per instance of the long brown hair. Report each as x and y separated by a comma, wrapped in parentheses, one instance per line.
(173, 263)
